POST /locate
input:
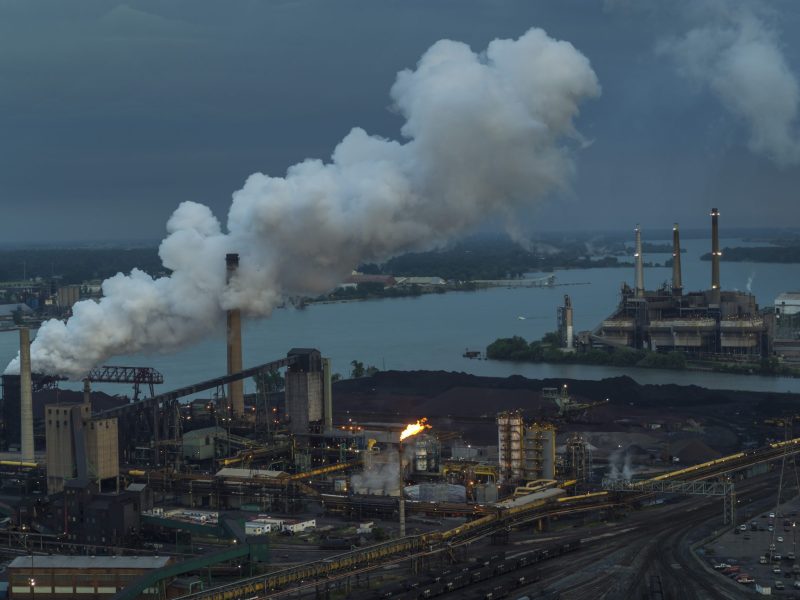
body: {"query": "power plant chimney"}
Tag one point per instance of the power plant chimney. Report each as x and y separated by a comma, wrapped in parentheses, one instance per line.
(234, 336)
(87, 391)
(327, 393)
(25, 396)
(715, 254)
(568, 320)
(677, 285)
(401, 509)
(639, 283)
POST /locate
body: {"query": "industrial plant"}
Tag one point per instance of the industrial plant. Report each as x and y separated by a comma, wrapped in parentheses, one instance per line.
(711, 323)
(189, 493)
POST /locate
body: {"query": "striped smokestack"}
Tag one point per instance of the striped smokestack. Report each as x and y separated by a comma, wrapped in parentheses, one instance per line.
(234, 338)
(25, 396)
(715, 254)
(677, 284)
(639, 283)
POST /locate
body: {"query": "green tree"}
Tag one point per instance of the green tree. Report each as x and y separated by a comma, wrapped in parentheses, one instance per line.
(552, 338)
(358, 369)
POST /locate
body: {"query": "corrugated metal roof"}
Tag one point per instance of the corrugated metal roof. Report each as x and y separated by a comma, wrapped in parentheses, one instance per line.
(57, 561)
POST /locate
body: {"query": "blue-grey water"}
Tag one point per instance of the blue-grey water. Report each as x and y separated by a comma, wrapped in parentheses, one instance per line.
(432, 331)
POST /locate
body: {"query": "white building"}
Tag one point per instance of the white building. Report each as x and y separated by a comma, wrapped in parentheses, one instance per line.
(256, 528)
(787, 303)
(299, 526)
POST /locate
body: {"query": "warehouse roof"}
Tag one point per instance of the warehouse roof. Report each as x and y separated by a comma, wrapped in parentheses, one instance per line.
(58, 561)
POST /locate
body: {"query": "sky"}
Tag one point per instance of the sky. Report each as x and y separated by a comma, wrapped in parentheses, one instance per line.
(112, 114)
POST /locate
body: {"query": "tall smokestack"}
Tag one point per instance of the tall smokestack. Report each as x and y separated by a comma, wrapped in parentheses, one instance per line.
(402, 502)
(234, 336)
(327, 393)
(25, 395)
(677, 284)
(87, 391)
(715, 254)
(568, 320)
(639, 284)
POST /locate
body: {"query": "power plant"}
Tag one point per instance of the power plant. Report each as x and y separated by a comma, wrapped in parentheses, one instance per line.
(709, 324)
(100, 473)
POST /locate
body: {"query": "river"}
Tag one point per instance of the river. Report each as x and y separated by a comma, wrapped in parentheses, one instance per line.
(432, 331)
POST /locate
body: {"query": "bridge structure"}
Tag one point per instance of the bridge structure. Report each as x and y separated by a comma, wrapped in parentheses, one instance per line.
(136, 375)
(722, 488)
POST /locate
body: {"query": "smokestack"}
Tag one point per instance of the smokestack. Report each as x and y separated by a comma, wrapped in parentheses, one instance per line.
(677, 285)
(25, 395)
(568, 320)
(328, 393)
(234, 337)
(402, 505)
(715, 254)
(639, 284)
(87, 391)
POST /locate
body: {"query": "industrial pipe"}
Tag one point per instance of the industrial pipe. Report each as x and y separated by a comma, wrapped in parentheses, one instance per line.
(25, 396)
(234, 339)
(568, 321)
(639, 283)
(715, 254)
(677, 284)
(327, 393)
(402, 505)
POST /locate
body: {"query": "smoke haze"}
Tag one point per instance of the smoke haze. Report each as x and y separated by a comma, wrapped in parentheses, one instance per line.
(736, 54)
(485, 134)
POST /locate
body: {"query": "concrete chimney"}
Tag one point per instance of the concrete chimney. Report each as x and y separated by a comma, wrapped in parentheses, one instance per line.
(639, 284)
(715, 254)
(677, 284)
(402, 502)
(87, 391)
(234, 338)
(568, 321)
(25, 396)
(327, 393)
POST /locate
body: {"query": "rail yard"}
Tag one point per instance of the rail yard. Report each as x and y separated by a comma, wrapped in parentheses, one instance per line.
(404, 485)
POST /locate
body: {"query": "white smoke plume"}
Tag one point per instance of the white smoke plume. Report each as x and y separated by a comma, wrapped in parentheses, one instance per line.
(737, 55)
(619, 465)
(485, 134)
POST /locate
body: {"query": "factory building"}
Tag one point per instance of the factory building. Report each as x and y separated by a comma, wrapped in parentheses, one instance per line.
(526, 452)
(58, 576)
(705, 323)
(305, 391)
(786, 331)
(73, 438)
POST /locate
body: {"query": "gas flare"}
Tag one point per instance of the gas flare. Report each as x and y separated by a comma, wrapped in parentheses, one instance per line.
(415, 428)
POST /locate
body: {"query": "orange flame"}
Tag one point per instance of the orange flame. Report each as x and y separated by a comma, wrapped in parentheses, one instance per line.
(415, 428)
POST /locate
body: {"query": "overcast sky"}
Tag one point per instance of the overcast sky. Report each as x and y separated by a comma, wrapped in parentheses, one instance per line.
(113, 114)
